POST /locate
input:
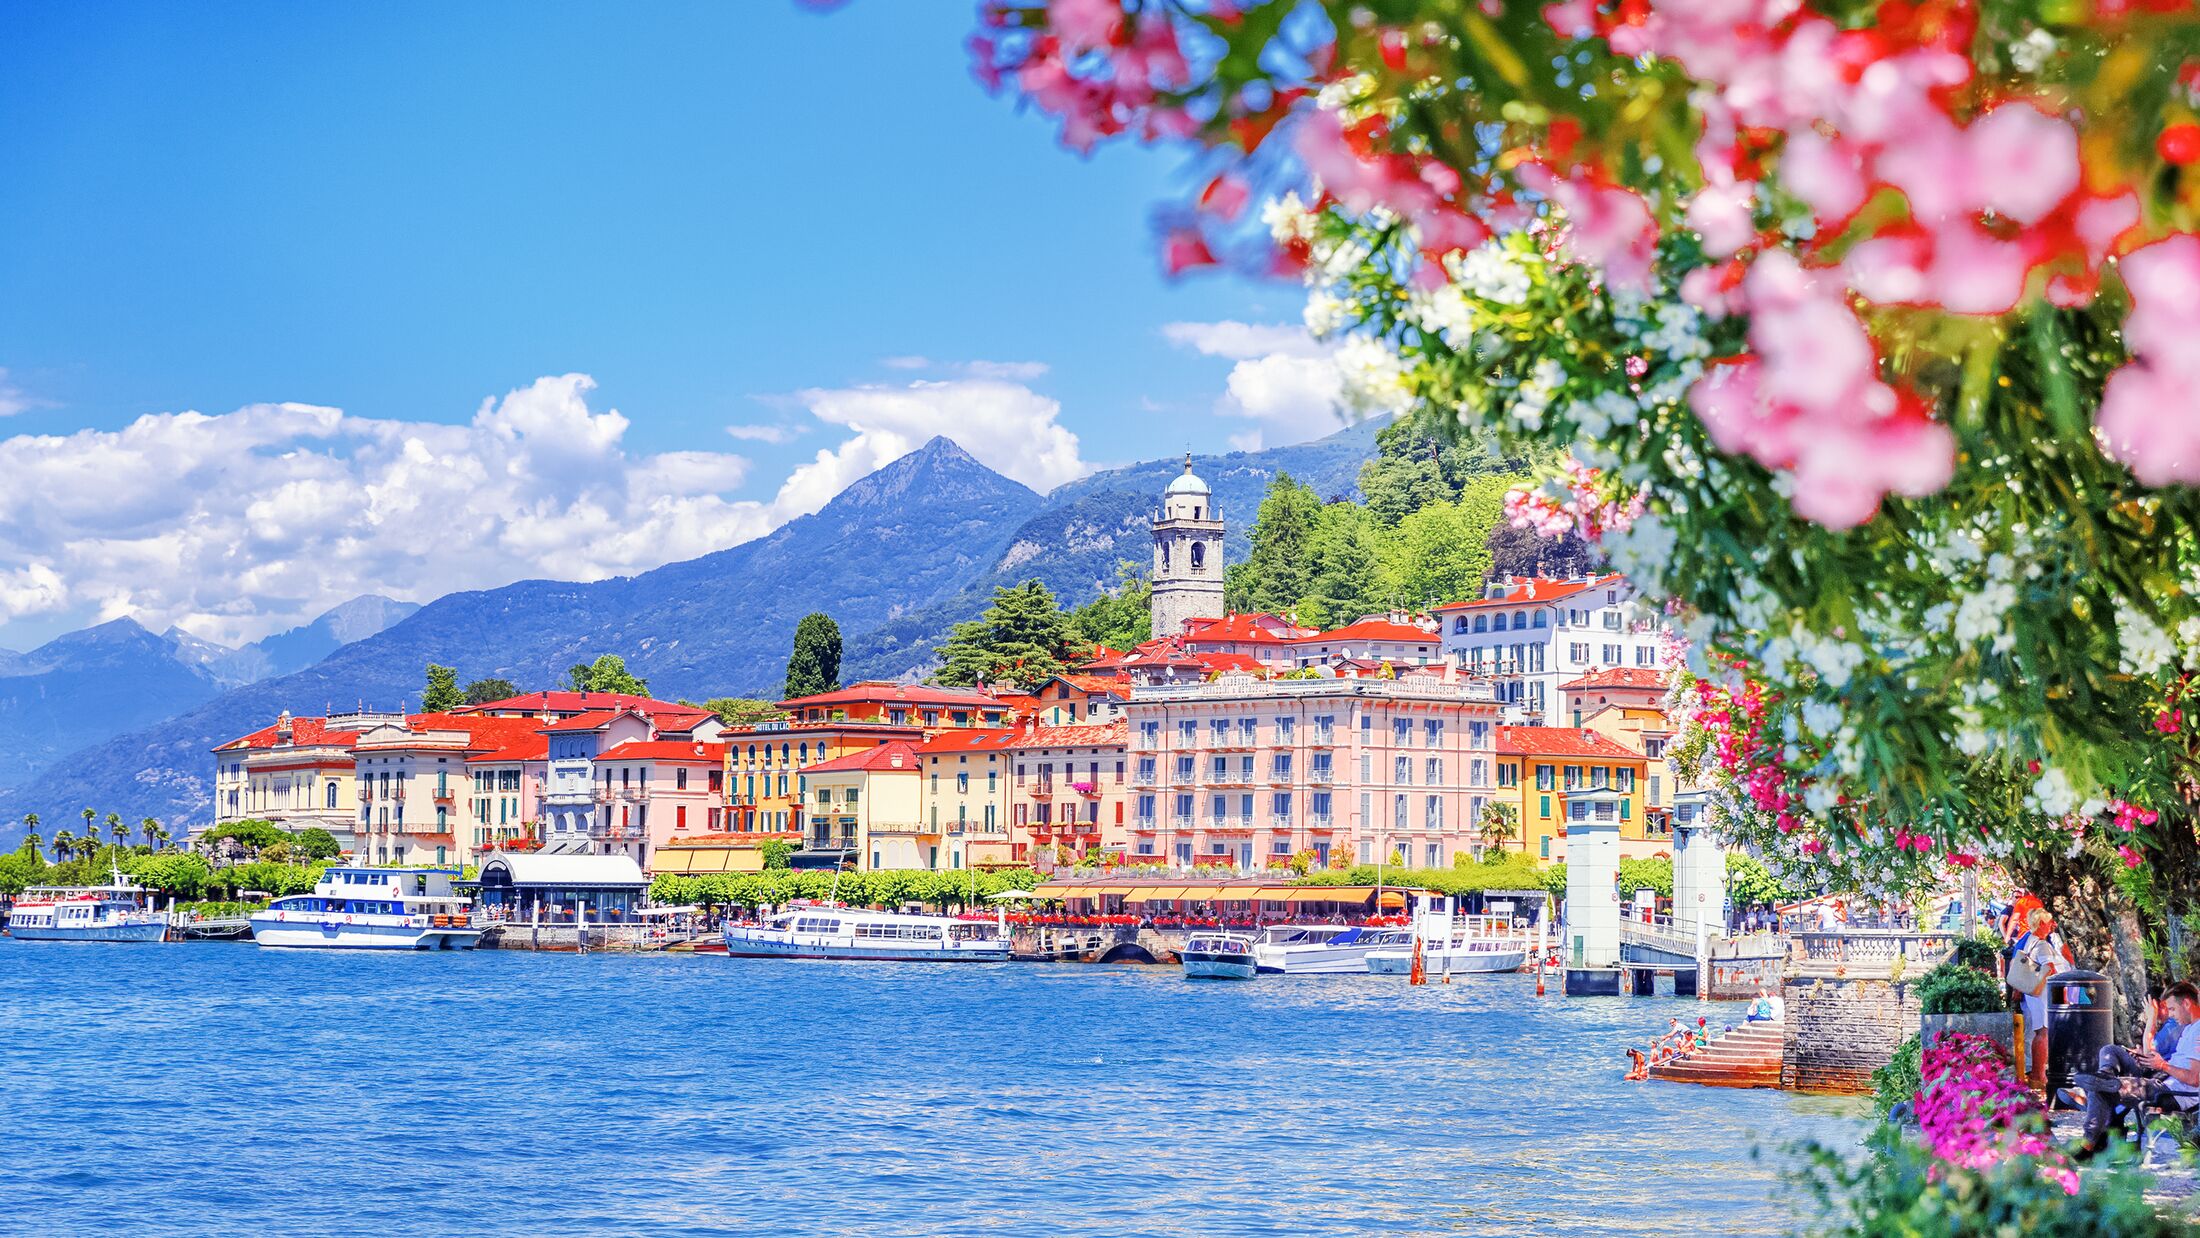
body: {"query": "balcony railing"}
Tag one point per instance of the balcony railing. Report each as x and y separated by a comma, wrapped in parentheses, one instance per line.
(1280, 777)
(1144, 825)
(1181, 821)
(1230, 778)
(1319, 821)
(1230, 824)
(1284, 824)
(1321, 774)
(602, 795)
(366, 794)
(1320, 738)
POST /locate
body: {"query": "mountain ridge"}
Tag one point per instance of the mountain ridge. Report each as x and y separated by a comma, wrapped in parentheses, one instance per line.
(896, 557)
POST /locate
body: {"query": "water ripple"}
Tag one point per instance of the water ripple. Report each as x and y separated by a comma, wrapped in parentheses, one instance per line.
(212, 1088)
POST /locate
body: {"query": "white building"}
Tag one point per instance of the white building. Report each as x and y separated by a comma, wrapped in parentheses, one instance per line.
(1529, 635)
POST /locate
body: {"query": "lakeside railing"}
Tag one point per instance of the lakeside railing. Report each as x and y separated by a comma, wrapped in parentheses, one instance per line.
(1868, 951)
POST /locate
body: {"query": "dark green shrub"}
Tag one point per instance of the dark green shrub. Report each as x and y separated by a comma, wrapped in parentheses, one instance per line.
(1954, 989)
(1977, 952)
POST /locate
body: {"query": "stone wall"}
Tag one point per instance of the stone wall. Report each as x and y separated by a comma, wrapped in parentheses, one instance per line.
(1842, 1028)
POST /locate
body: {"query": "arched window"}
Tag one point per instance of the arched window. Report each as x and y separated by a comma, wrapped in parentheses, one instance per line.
(1199, 556)
(332, 793)
(1164, 556)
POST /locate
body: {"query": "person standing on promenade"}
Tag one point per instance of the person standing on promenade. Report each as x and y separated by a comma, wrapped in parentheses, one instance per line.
(2034, 957)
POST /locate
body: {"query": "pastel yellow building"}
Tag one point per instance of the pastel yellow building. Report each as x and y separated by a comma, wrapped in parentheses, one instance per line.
(965, 791)
(1562, 774)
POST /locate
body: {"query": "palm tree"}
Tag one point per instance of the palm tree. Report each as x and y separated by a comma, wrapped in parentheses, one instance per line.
(30, 826)
(91, 820)
(150, 827)
(160, 837)
(64, 842)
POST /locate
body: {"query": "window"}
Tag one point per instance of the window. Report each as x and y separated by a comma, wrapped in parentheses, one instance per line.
(1401, 731)
(1401, 771)
(1282, 806)
(1287, 730)
(1653, 748)
(1367, 852)
(1508, 774)
(1578, 810)
(680, 779)
(962, 782)
(332, 795)
(1433, 817)
(1199, 556)
(1626, 779)
(1655, 797)
(1219, 808)
(1149, 734)
(1432, 773)
(1543, 777)
(1611, 621)
(1218, 768)
(1398, 812)
(1578, 652)
(1546, 846)
(1541, 619)
(1478, 772)
(1545, 806)
(1644, 655)
(1280, 767)
(680, 817)
(1573, 778)
(1614, 654)
(1187, 733)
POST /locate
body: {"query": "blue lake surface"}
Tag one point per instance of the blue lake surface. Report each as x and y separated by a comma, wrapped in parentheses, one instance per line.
(222, 1088)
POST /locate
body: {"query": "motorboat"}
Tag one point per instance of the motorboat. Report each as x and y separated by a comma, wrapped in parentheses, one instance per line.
(879, 936)
(1452, 944)
(1218, 956)
(114, 912)
(1322, 949)
(357, 908)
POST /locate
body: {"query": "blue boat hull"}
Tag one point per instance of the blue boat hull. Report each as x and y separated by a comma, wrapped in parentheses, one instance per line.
(155, 931)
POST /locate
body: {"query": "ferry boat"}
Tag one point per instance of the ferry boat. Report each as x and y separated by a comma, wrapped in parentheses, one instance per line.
(371, 909)
(1218, 956)
(879, 936)
(115, 912)
(1453, 944)
(1322, 949)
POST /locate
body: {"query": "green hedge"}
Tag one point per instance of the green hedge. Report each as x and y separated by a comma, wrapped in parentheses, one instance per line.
(884, 888)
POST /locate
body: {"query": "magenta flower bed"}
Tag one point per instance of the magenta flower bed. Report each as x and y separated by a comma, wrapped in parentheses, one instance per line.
(1973, 1112)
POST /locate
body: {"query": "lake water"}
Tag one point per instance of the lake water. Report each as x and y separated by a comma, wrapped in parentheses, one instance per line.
(222, 1088)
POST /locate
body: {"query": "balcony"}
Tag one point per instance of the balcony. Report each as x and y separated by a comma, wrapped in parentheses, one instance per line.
(1089, 790)
(1230, 778)
(1282, 825)
(617, 833)
(1144, 825)
(1181, 822)
(1281, 777)
(1320, 738)
(1236, 741)
(602, 795)
(444, 796)
(366, 794)
(398, 795)
(1320, 822)
(1230, 825)
(633, 795)
(1321, 774)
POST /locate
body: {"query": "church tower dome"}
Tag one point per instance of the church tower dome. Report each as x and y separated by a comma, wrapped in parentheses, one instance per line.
(1187, 554)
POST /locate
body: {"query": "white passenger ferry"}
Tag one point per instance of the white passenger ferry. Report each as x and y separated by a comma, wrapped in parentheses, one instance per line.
(371, 909)
(1322, 949)
(883, 936)
(114, 912)
(1453, 944)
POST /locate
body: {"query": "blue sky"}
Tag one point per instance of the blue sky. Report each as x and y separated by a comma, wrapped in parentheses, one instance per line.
(742, 214)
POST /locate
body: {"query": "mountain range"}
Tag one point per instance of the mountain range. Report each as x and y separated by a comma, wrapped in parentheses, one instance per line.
(78, 688)
(896, 558)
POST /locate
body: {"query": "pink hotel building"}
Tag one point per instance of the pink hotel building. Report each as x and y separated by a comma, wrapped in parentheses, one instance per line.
(1246, 772)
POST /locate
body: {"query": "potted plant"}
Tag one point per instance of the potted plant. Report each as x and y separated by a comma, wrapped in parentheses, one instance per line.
(1956, 997)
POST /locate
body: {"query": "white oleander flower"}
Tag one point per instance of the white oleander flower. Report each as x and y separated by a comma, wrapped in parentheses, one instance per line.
(1492, 273)
(2052, 795)
(2144, 648)
(1374, 377)
(1326, 315)
(2030, 53)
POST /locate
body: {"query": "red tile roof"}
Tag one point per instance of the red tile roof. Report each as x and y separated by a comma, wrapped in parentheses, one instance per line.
(1532, 591)
(594, 720)
(877, 691)
(1374, 629)
(1559, 741)
(1106, 734)
(1619, 677)
(1229, 661)
(882, 758)
(532, 748)
(968, 740)
(304, 732)
(1096, 684)
(1257, 628)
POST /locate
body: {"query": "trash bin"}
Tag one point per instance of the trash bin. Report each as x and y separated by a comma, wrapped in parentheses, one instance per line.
(2080, 1023)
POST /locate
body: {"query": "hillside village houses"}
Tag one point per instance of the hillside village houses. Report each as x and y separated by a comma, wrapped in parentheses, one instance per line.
(1227, 739)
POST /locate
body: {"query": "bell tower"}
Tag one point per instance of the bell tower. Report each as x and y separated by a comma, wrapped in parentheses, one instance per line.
(1187, 555)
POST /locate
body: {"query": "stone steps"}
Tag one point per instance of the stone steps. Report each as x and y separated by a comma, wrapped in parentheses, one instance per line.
(1747, 1057)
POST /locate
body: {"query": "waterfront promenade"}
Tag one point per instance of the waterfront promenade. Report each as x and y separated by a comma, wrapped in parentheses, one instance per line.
(500, 1092)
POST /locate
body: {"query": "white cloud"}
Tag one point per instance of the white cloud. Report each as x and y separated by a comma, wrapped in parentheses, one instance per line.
(1283, 379)
(765, 434)
(1009, 427)
(907, 363)
(1241, 341)
(248, 522)
(1021, 371)
(13, 400)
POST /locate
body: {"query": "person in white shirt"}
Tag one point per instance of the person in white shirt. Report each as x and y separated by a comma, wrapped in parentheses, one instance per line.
(2176, 1078)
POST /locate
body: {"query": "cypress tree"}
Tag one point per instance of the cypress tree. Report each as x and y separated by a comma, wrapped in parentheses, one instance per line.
(814, 665)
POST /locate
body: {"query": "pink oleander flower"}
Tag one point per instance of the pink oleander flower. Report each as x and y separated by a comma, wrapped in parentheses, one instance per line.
(2150, 410)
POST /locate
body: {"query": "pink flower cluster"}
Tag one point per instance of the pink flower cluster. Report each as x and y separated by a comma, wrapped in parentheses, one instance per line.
(1973, 1113)
(2150, 411)
(1103, 71)
(1587, 508)
(1809, 401)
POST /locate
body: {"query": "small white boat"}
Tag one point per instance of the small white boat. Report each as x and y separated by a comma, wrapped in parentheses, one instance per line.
(1218, 956)
(1321, 949)
(115, 912)
(371, 909)
(878, 936)
(1453, 944)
